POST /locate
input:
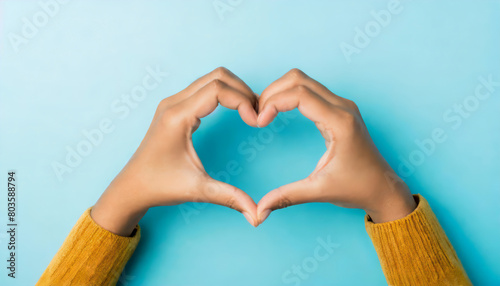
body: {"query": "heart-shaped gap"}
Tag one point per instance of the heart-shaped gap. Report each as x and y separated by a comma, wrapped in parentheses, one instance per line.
(250, 158)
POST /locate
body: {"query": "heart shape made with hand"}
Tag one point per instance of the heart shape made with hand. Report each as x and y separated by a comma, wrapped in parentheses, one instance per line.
(166, 170)
(351, 173)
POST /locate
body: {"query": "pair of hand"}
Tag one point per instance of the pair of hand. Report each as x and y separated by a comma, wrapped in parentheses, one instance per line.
(165, 169)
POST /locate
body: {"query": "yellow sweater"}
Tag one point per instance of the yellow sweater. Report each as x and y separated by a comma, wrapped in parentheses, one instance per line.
(413, 250)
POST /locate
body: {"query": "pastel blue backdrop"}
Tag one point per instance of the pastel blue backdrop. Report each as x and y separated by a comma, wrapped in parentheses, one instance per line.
(63, 73)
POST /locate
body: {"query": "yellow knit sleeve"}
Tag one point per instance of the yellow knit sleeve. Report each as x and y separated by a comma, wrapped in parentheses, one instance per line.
(414, 250)
(90, 255)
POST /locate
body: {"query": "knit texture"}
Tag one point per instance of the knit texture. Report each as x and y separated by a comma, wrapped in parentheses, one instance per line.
(90, 255)
(414, 250)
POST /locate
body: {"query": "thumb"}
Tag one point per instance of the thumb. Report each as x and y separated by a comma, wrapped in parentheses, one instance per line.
(299, 192)
(219, 193)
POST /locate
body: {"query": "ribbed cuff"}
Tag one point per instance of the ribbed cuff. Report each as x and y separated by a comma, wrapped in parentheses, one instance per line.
(414, 250)
(90, 255)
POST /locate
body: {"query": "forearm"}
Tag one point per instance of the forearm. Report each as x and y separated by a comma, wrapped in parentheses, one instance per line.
(414, 250)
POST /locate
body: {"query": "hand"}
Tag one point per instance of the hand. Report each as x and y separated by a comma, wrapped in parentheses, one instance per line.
(165, 169)
(352, 173)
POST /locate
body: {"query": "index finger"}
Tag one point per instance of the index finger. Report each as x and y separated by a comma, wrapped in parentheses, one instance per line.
(311, 105)
(222, 74)
(205, 100)
(296, 77)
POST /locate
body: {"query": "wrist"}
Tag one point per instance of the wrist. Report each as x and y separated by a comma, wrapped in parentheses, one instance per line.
(393, 202)
(117, 212)
(392, 210)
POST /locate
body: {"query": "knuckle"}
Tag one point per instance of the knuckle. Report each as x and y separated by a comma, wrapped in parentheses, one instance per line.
(351, 104)
(231, 200)
(217, 85)
(302, 89)
(170, 116)
(221, 72)
(297, 74)
(283, 201)
(348, 119)
(230, 203)
(164, 118)
(164, 103)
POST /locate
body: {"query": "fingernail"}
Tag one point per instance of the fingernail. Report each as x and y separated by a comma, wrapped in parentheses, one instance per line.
(263, 215)
(249, 218)
(258, 118)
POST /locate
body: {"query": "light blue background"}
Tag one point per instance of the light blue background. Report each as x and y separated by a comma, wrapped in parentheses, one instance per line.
(65, 79)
